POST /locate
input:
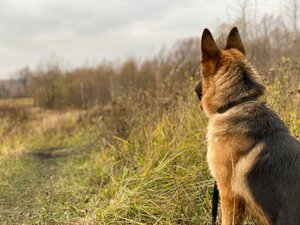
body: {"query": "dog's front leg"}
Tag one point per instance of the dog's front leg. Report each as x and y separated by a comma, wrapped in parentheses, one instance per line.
(222, 163)
(233, 207)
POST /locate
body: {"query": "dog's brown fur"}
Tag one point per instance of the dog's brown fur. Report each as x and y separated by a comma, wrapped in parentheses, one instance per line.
(251, 154)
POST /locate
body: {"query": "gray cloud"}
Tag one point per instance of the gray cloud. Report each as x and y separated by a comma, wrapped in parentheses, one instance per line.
(91, 30)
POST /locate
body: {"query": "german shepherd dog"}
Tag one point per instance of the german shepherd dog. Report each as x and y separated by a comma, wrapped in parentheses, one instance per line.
(251, 154)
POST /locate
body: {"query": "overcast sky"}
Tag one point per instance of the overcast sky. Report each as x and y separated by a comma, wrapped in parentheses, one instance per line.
(88, 31)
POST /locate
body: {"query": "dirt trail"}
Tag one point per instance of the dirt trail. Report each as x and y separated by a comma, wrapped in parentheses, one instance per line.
(23, 179)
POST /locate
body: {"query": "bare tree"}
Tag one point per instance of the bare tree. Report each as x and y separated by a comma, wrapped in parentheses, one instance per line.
(292, 8)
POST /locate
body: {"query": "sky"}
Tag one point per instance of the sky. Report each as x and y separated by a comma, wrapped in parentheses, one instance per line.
(85, 32)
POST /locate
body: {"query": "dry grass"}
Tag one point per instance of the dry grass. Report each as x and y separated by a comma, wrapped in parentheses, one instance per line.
(154, 173)
(17, 102)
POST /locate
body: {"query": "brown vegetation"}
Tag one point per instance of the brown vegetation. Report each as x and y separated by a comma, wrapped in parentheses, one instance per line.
(136, 129)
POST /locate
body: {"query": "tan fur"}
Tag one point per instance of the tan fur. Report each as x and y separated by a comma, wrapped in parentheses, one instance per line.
(214, 95)
(241, 188)
(237, 136)
(225, 150)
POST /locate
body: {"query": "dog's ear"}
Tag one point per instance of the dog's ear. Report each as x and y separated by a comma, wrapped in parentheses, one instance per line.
(209, 47)
(234, 41)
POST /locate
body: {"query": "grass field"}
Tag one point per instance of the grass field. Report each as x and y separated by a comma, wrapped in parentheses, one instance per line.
(65, 167)
(16, 102)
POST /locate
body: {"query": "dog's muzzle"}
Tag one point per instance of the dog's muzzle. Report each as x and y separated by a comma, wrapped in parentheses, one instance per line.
(199, 90)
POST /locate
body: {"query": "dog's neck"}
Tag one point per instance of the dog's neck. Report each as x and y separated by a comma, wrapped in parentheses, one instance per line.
(230, 105)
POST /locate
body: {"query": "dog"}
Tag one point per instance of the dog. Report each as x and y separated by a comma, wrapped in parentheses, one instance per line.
(251, 154)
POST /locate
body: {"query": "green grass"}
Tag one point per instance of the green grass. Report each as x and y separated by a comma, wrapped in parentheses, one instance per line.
(159, 169)
(68, 170)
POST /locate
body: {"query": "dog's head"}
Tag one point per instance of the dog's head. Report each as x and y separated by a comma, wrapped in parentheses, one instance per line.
(227, 76)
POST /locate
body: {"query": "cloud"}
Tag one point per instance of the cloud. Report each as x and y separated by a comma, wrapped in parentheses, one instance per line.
(91, 30)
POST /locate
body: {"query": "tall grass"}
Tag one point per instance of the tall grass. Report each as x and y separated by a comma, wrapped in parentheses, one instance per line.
(151, 170)
(123, 144)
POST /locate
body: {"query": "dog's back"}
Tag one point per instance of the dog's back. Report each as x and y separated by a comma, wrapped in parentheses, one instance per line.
(274, 179)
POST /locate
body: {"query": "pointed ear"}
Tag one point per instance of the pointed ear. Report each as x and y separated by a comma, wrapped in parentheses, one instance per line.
(209, 47)
(234, 41)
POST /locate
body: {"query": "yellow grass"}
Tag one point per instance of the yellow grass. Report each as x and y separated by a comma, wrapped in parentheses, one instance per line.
(75, 169)
(16, 102)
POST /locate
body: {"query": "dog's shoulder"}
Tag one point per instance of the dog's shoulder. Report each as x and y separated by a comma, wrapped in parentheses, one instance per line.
(254, 119)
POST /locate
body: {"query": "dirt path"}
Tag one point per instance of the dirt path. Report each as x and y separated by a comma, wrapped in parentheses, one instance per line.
(23, 180)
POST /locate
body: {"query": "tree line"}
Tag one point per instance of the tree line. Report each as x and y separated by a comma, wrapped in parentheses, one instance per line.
(269, 40)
